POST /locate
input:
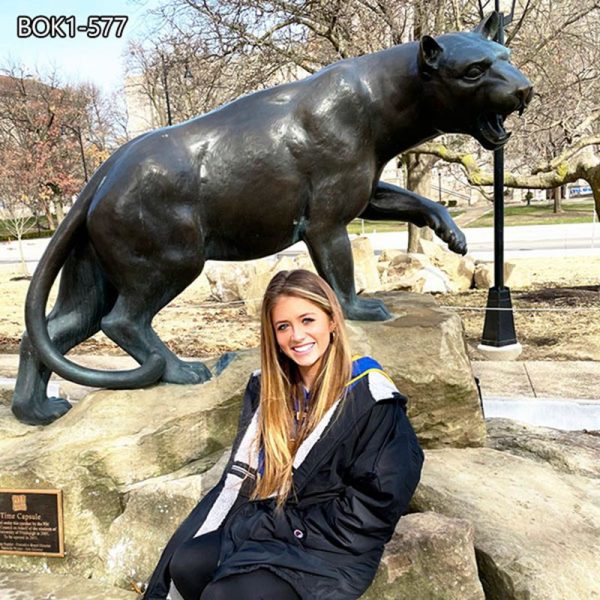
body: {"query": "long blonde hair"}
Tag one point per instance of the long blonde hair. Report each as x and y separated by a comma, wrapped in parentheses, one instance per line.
(280, 381)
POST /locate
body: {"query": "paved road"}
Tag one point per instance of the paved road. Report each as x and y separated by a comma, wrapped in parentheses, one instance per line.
(581, 239)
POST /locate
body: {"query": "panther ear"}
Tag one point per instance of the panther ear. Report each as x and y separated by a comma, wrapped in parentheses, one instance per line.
(429, 54)
(488, 28)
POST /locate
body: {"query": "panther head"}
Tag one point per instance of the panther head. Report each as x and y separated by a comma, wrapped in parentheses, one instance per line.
(470, 85)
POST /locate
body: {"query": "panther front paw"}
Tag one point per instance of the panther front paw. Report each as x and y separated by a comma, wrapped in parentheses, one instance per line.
(446, 229)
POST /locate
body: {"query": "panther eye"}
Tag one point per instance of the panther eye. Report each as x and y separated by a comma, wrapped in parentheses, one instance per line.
(474, 72)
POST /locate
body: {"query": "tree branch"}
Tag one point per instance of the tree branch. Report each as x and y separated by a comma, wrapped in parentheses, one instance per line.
(564, 172)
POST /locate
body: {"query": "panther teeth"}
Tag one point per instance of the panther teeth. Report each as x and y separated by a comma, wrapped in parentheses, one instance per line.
(491, 129)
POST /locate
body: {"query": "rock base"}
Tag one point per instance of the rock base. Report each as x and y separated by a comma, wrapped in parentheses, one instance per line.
(27, 586)
(133, 463)
(429, 556)
(510, 352)
(537, 530)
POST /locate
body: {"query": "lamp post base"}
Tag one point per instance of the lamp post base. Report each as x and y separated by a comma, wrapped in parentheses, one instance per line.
(510, 352)
(499, 337)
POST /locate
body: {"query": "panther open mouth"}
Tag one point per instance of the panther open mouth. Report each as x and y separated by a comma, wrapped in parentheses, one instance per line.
(490, 131)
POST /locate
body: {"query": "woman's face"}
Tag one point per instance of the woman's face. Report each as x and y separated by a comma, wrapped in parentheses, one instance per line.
(303, 332)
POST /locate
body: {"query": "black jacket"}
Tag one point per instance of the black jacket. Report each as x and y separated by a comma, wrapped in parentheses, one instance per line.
(353, 478)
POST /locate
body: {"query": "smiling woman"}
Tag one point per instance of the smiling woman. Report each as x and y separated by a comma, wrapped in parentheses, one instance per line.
(303, 332)
(324, 464)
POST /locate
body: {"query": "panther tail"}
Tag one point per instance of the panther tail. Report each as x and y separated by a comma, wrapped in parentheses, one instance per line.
(37, 298)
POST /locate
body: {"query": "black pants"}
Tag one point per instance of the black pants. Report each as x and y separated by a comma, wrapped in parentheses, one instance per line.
(194, 563)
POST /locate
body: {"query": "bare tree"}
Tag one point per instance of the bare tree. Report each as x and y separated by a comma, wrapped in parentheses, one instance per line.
(18, 222)
(557, 44)
(52, 137)
(557, 141)
(15, 204)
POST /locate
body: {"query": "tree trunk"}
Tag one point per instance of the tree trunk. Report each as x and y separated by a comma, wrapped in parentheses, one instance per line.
(49, 216)
(60, 213)
(413, 238)
(418, 180)
(556, 195)
(24, 269)
(593, 178)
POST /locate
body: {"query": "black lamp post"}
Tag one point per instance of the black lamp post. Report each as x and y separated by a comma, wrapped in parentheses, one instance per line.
(165, 71)
(77, 132)
(499, 326)
(165, 66)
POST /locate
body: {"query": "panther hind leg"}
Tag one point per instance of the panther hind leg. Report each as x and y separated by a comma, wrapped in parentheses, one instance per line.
(84, 296)
(129, 324)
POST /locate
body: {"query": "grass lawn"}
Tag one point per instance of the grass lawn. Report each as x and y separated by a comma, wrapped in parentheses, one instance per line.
(32, 231)
(359, 226)
(580, 211)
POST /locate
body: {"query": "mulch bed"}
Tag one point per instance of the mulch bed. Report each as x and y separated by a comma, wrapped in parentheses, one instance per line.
(563, 323)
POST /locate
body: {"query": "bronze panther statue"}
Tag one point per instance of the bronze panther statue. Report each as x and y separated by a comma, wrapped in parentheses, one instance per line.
(294, 162)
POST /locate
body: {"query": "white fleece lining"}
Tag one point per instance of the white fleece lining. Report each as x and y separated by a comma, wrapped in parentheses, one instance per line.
(307, 445)
(222, 505)
(248, 452)
(380, 386)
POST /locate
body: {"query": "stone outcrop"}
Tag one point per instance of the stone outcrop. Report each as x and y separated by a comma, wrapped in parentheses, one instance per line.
(414, 273)
(153, 511)
(366, 275)
(537, 530)
(459, 269)
(423, 350)
(132, 463)
(576, 452)
(240, 281)
(27, 586)
(429, 556)
(109, 444)
(515, 277)
(432, 269)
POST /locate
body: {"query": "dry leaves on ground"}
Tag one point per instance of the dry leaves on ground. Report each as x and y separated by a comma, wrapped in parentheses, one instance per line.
(564, 323)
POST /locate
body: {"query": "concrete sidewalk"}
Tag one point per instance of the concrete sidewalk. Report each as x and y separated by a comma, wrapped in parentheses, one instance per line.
(570, 380)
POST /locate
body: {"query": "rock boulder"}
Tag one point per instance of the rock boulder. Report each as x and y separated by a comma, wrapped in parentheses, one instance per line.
(537, 530)
(429, 556)
(459, 269)
(107, 445)
(366, 275)
(414, 273)
(45, 586)
(515, 277)
(423, 350)
(576, 452)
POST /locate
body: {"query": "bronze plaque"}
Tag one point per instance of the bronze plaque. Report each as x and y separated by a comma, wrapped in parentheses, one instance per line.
(31, 522)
